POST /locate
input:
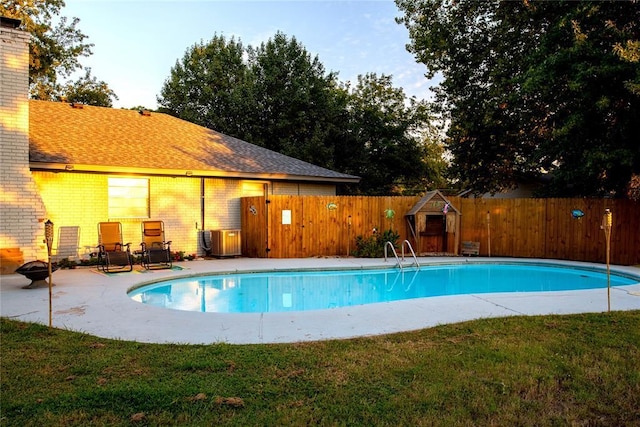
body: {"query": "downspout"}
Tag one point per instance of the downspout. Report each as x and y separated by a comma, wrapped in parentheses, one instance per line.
(203, 241)
(202, 203)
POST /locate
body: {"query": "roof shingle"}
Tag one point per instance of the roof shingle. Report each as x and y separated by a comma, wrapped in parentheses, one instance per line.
(114, 138)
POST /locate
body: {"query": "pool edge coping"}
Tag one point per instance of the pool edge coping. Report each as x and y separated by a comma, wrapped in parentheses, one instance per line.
(617, 269)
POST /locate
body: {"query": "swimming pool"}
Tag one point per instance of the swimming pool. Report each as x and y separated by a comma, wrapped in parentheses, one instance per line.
(294, 291)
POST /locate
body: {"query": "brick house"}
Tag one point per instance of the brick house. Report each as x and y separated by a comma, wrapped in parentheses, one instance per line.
(79, 165)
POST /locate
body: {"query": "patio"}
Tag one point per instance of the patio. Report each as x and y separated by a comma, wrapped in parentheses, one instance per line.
(87, 301)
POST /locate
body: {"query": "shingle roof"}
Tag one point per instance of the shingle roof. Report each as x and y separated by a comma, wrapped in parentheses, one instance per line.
(107, 139)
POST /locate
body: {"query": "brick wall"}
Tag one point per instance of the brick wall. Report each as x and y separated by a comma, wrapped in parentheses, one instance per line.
(81, 199)
(22, 212)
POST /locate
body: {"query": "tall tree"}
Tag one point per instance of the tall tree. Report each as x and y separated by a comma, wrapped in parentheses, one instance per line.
(391, 142)
(294, 100)
(534, 86)
(55, 49)
(281, 98)
(210, 86)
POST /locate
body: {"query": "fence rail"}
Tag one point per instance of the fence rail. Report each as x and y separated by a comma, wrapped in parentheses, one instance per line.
(306, 226)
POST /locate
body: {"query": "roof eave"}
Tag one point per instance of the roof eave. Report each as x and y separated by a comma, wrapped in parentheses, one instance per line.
(121, 170)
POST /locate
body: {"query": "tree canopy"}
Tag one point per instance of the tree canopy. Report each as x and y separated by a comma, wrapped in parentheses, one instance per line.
(55, 50)
(535, 88)
(207, 86)
(392, 142)
(293, 100)
(280, 97)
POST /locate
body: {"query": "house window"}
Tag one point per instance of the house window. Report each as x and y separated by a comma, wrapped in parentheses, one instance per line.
(128, 198)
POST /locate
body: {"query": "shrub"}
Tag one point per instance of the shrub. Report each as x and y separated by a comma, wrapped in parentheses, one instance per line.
(373, 246)
(93, 260)
(67, 263)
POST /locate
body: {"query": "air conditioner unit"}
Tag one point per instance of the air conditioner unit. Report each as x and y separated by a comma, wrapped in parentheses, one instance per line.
(225, 243)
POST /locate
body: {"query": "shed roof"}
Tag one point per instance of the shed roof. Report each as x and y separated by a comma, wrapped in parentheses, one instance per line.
(100, 139)
(429, 196)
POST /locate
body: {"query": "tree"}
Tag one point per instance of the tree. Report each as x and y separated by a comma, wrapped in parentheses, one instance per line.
(275, 96)
(88, 90)
(532, 87)
(54, 50)
(281, 98)
(210, 87)
(294, 99)
(391, 142)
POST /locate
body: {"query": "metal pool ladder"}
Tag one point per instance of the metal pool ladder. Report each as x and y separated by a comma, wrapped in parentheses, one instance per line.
(395, 254)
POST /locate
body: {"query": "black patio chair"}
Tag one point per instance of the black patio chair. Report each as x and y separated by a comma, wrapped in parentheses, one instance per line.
(113, 255)
(156, 251)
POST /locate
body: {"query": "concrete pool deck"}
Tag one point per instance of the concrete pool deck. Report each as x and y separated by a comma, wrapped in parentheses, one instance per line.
(85, 300)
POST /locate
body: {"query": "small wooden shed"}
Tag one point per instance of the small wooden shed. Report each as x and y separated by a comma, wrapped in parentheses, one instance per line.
(434, 225)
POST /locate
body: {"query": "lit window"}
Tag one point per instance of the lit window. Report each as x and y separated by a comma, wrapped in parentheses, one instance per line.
(128, 198)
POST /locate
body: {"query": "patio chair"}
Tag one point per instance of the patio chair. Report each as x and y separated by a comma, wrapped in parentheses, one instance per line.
(113, 255)
(68, 244)
(156, 251)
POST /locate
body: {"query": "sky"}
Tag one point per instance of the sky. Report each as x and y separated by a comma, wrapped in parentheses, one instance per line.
(137, 42)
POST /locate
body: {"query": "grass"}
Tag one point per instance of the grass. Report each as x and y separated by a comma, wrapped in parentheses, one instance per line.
(573, 370)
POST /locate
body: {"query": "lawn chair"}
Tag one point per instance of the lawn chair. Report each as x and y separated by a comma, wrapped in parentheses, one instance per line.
(113, 255)
(156, 251)
(68, 244)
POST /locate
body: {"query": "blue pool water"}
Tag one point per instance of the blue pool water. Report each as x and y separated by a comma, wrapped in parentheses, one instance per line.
(318, 290)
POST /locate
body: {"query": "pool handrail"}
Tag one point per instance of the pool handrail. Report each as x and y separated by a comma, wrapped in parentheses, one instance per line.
(395, 254)
(415, 259)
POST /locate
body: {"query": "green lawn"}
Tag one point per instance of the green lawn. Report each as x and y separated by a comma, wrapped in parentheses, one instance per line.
(547, 370)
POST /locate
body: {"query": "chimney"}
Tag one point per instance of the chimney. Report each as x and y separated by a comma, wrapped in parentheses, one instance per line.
(6, 22)
(14, 70)
(21, 209)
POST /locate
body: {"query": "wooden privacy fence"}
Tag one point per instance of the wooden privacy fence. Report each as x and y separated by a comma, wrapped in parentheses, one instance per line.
(305, 226)
(546, 228)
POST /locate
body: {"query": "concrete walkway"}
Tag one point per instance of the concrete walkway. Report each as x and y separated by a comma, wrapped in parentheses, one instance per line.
(85, 300)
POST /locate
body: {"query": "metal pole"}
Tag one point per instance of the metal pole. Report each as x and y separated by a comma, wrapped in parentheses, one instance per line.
(607, 222)
(349, 235)
(48, 234)
(489, 231)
